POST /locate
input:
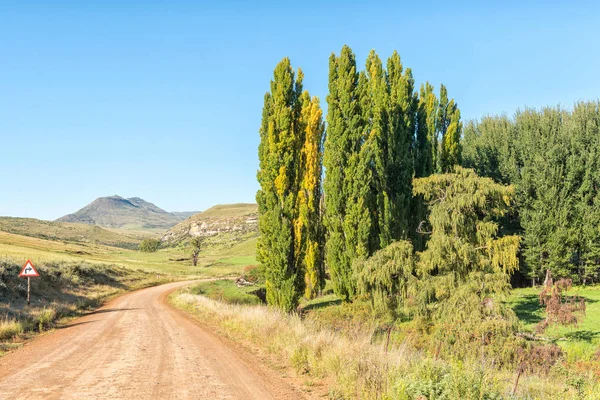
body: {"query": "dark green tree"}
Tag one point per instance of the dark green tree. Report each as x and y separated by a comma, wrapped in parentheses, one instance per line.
(551, 156)
(400, 166)
(347, 223)
(425, 157)
(425, 141)
(149, 245)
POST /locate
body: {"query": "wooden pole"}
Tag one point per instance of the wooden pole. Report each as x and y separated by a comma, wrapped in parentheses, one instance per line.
(28, 290)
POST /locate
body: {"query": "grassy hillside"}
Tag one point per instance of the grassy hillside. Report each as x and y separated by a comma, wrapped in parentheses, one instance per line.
(118, 212)
(64, 289)
(81, 266)
(221, 226)
(68, 232)
(174, 261)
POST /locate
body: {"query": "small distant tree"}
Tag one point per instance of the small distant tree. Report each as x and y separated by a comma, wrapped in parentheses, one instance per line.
(195, 246)
(149, 245)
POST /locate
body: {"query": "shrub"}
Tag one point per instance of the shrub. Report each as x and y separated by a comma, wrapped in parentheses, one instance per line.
(149, 245)
(10, 328)
(254, 273)
(44, 318)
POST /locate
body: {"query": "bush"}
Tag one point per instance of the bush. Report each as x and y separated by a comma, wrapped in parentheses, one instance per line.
(149, 245)
(254, 273)
(45, 318)
(10, 328)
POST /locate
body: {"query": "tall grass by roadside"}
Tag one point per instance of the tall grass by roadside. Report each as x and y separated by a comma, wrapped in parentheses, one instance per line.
(9, 328)
(356, 366)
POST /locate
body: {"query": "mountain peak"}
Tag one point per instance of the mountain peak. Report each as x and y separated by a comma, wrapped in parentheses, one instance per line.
(118, 212)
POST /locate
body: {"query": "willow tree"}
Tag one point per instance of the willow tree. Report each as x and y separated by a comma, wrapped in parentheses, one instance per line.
(308, 226)
(464, 272)
(281, 136)
(465, 250)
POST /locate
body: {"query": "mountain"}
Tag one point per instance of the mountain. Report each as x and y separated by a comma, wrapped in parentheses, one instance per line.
(118, 212)
(67, 232)
(223, 224)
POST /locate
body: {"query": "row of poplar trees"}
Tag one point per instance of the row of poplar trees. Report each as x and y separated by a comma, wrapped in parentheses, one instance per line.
(380, 134)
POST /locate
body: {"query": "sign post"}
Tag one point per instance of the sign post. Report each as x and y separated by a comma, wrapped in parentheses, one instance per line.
(28, 271)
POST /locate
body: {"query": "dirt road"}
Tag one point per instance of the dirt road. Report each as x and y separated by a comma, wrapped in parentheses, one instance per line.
(137, 347)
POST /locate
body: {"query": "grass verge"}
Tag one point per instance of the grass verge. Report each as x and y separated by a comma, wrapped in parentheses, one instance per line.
(354, 365)
(64, 290)
(226, 290)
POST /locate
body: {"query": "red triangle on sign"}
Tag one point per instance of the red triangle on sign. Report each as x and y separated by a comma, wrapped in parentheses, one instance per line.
(28, 270)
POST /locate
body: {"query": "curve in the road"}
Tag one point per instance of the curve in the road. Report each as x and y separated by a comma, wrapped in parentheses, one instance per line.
(136, 347)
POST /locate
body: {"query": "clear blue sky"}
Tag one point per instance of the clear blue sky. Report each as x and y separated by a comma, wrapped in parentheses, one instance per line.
(162, 100)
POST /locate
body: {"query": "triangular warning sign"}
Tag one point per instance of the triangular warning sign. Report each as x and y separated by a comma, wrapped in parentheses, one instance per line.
(28, 270)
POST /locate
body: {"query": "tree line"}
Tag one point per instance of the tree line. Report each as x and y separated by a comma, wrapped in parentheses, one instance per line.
(552, 157)
(381, 134)
(426, 222)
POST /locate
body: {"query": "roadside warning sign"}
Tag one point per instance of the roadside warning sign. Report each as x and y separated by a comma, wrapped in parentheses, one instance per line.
(28, 270)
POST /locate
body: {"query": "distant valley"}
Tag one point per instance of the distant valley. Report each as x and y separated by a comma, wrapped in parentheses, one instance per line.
(124, 222)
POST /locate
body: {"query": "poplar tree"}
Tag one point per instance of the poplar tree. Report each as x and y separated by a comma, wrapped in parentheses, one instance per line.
(388, 106)
(425, 155)
(279, 153)
(426, 140)
(449, 130)
(377, 148)
(308, 227)
(345, 220)
(400, 166)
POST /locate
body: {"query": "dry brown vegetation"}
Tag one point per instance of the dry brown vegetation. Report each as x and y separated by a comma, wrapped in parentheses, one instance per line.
(352, 359)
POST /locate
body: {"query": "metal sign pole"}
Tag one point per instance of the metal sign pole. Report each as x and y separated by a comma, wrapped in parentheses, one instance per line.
(28, 289)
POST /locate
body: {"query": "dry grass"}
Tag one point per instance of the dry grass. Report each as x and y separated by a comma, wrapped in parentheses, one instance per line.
(354, 366)
(64, 290)
(9, 328)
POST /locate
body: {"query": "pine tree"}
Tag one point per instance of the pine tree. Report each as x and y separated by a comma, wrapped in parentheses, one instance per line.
(308, 227)
(279, 153)
(344, 207)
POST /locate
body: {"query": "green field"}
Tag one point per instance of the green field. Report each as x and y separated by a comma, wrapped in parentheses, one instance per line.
(226, 290)
(580, 342)
(174, 261)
